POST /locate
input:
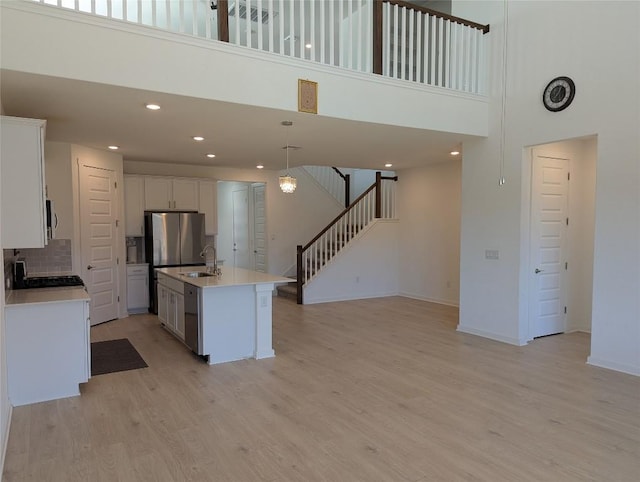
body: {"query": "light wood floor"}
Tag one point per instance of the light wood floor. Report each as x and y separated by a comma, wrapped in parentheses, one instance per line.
(375, 390)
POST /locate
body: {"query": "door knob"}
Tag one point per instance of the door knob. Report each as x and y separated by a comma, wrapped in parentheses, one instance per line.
(538, 271)
(89, 266)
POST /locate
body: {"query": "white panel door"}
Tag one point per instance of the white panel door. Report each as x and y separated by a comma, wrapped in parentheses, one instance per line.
(241, 258)
(549, 211)
(98, 208)
(259, 229)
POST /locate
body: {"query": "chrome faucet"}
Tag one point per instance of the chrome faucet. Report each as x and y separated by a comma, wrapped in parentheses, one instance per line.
(211, 267)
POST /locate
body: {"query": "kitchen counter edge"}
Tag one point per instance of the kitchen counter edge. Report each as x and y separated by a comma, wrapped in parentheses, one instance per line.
(231, 276)
(45, 295)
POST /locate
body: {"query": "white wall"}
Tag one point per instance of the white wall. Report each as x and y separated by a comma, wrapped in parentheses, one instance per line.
(292, 219)
(582, 203)
(45, 41)
(366, 268)
(493, 295)
(5, 406)
(429, 211)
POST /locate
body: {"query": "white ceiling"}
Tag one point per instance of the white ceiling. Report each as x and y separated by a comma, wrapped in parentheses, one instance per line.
(241, 136)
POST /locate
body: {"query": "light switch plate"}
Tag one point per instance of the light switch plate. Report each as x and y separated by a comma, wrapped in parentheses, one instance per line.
(491, 254)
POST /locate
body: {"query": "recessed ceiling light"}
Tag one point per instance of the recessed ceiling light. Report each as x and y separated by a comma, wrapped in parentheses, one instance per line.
(454, 153)
(388, 164)
(198, 138)
(260, 166)
(114, 148)
(211, 155)
(152, 106)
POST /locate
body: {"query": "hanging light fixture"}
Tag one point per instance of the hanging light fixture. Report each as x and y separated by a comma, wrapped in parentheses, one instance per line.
(288, 183)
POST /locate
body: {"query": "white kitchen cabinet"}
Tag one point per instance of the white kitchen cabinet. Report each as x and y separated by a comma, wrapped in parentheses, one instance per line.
(185, 194)
(137, 288)
(179, 312)
(23, 181)
(48, 348)
(163, 303)
(134, 202)
(208, 205)
(171, 304)
(171, 194)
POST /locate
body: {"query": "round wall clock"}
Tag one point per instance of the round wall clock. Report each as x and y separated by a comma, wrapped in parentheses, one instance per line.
(558, 94)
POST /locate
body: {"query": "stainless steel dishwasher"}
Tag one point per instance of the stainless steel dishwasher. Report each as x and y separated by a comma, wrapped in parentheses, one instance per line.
(192, 318)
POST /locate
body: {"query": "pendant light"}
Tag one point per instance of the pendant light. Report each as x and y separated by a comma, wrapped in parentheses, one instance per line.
(288, 183)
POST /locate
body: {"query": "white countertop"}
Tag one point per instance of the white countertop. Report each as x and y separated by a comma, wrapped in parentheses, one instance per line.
(231, 276)
(46, 295)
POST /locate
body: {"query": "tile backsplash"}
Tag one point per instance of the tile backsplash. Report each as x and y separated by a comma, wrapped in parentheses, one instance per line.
(54, 258)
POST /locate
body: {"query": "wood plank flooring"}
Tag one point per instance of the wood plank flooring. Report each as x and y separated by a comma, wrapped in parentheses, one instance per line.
(372, 390)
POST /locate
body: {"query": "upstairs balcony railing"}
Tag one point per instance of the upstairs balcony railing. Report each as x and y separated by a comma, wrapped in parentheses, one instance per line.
(387, 37)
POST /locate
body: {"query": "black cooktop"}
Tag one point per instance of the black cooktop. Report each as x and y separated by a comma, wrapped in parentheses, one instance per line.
(53, 281)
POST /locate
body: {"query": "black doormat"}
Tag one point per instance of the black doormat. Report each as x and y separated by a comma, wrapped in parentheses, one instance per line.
(114, 356)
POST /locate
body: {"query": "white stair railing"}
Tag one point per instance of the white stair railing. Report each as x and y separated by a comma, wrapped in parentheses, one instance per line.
(418, 45)
(331, 180)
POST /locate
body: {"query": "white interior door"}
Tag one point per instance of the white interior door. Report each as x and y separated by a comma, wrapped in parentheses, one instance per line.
(549, 221)
(240, 202)
(259, 229)
(98, 208)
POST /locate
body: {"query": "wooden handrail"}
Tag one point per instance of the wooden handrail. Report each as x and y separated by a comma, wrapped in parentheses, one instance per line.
(347, 185)
(339, 172)
(335, 220)
(451, 18)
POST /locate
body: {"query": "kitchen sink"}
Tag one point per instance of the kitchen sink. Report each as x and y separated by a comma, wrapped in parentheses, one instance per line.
(197, 274)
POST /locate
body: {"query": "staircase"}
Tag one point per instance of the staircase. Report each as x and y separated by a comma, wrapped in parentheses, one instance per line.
(334, 181)
(377, 202)
(288, 291)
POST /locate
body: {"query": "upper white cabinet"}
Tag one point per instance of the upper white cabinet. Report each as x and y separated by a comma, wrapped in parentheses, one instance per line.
(165, 193)
(156, 193)
(209, 205)
(134, 205)
(185, 194)
(23, 193)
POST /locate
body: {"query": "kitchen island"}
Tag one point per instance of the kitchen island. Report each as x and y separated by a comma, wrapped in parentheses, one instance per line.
(235, 311)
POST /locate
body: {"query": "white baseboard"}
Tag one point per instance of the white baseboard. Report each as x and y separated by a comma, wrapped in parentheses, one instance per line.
(611, 365)
(414, 296)
(491, 335)
(5, 440)
(346, 297)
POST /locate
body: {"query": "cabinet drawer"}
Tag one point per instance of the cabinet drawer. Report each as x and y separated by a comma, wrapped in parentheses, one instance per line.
(162, 278)
(136, 270)
(173, 284)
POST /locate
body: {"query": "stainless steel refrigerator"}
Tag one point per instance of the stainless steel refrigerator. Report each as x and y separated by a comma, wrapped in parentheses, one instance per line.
(171, 239)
